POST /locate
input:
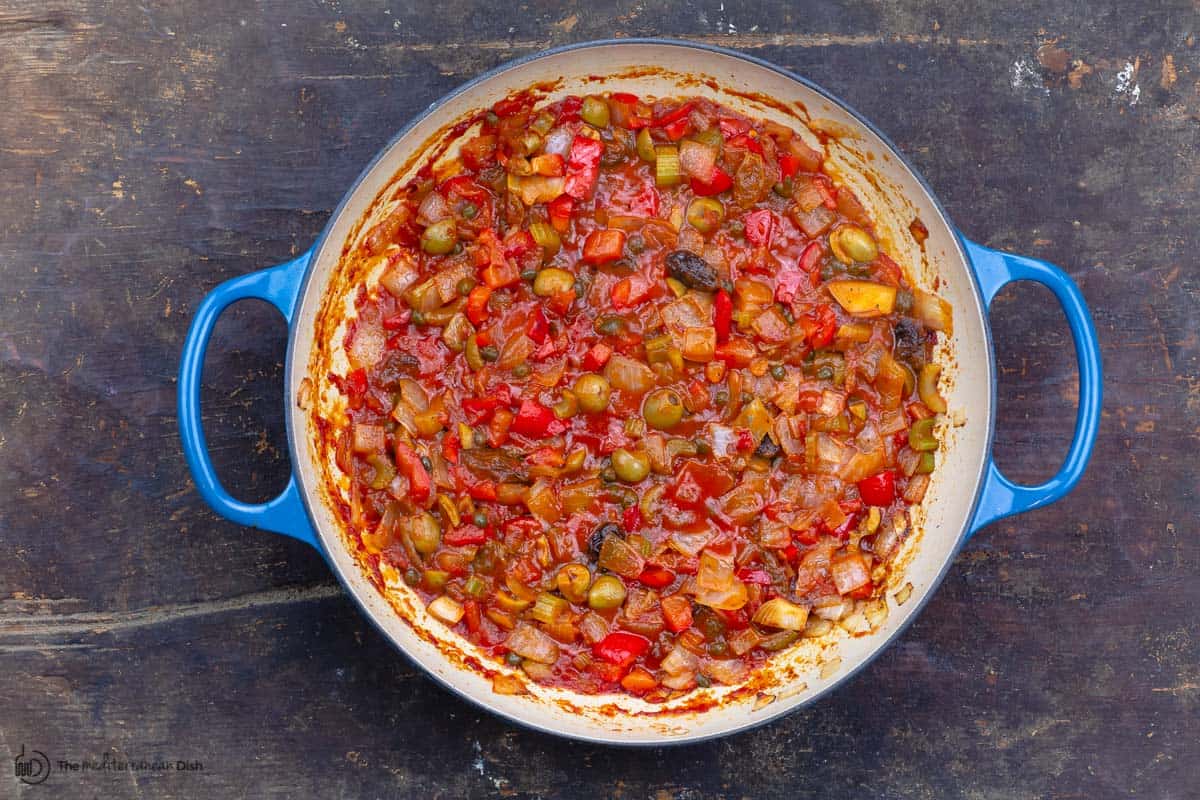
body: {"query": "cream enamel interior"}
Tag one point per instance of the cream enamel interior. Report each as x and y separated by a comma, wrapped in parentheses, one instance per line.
(859, 158)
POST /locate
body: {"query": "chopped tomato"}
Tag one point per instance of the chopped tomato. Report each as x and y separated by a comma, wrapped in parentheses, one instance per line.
(559, 210)
(630, 291)
(879, 489)
(656, 577)
(677, 612)
(759, 225)
(716, 183)
(409, 465)
(536, 421)
(464, 535)
(477, 301)
(597, 356)
(537, 328)
(583, 167)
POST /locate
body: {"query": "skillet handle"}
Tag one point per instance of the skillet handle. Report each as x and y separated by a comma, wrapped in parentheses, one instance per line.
(1000, 496)
(279, 286)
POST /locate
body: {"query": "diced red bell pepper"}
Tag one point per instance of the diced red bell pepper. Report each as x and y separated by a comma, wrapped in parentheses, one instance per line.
(546, 457)
(518, 243)
(823, 327)
(646, 202)
(678, 129)
(603, 246)
(559, 209)
(717, 182)
(656, 577)
(630, 290)
(734, 620)
(620, 648)
(627, 98)
(536, 421)
(498, 271)
(745, 441)
(747, 142)
(597, 357)
(479, 409)
(537, 328)
(410, 466)
(789, 165)
(583, 167)
(484, 490)
(477, 300)
(879, 489)
(674, 115)
(463, 535)
(569, 110)
(736, 352)
(748, 575)
(451, 445)
(561, 302)
(355, 383)
(732, 127)
(631, 519)
(722, 315)
(677, 612)
(759, 226)
(471, 616)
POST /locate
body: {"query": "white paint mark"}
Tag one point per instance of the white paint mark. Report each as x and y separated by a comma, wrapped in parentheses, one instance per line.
(1127, 83)
(1024, 75)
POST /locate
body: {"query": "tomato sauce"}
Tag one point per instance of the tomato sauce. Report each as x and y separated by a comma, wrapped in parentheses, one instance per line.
(638, 399)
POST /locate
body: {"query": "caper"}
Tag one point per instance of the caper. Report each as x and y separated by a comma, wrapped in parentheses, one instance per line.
(426, 534)
(594, 111)
(607, 592)
(439, 238)
(480, 519)
(469, 210)
(593, 392)
(636, 244)
(512, 659)
(528, 274)
(778, 372)
(608, 475)
(489, 353)
(465, 286)
(573, 581)
(705, 214)
(552, 281)
(851, 243)
(630, 467)
(721, 397)
(703, 448)
(663, 409)
(418, 318)
(412, 576)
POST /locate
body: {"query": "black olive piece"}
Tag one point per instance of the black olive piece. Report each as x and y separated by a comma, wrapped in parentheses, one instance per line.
(599, 535)
(910, 341)
(691, 270)
(767, 448)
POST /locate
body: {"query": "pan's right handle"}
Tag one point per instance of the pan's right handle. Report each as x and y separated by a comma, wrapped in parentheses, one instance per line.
(279, 286)
(1000, 496)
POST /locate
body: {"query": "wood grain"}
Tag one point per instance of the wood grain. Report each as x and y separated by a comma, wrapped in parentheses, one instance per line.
(150, 151)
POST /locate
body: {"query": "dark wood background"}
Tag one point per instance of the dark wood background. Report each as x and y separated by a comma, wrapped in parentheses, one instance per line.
(149, 151)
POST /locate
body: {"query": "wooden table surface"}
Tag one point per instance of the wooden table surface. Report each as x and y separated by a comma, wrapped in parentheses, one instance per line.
(150, 151)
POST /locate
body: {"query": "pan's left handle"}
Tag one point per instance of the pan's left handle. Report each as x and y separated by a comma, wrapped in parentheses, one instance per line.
(279, 286)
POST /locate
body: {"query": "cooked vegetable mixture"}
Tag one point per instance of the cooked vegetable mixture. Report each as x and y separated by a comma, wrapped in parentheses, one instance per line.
(638, 399)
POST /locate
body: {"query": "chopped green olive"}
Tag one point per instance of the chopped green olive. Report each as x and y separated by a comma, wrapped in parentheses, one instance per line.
(465, 286)
(573, 581)
(595, 111)
(439, 238)
(552, 281)
(607, 592)
(593, 392)
(630, 467)
(705, 214)
(663, 409)
(851, 243)
(425, 532)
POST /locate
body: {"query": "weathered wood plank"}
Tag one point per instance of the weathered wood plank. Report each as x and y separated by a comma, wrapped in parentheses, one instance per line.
(148, 152)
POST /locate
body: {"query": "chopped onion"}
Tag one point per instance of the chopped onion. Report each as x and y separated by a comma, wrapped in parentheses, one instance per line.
(917, 486)
(729, 671)
(531, 643)
(446, 610)
(629, 375)
(849, 572)
(558, 141)
(933, 312)
(697, 160)
(433, 209)
(680, 660)
(542, 502)
(620, 557)
(366, 346)
(779, 613)
(690, 544)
